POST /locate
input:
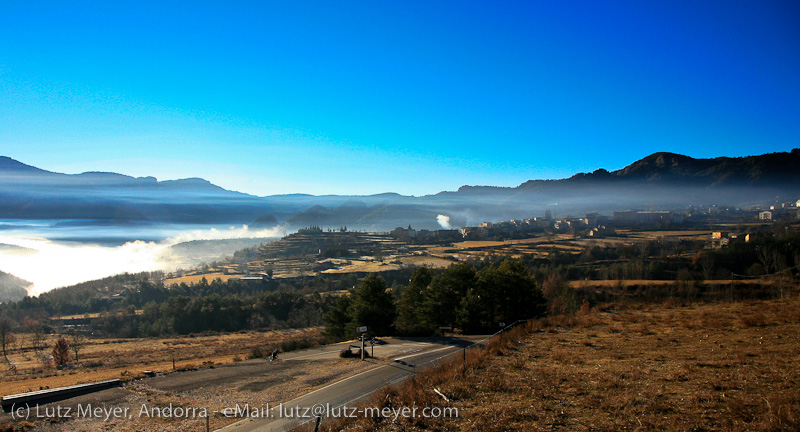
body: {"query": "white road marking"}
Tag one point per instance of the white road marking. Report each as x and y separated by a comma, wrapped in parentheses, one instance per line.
(312, 355)
(241, 423)
(426, 352)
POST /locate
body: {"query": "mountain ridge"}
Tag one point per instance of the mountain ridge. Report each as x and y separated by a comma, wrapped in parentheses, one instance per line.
(674, 179)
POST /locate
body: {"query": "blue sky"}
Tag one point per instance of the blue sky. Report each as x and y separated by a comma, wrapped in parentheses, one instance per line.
(410, 97)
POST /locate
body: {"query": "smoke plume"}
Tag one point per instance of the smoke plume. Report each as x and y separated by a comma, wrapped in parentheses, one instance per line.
(444, 221)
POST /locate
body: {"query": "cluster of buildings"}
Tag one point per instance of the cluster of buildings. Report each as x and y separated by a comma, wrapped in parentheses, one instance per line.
(599, 225)
(412, 235)
(785, 211)
(725, 238)
(594, 224)
(782, 211)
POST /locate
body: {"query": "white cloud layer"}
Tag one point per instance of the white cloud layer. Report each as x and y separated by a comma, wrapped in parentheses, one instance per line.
(59, 264)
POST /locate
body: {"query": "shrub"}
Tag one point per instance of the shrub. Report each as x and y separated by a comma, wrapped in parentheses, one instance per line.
(61, 351)
(348, 353)
(256, 352)
(301, 343)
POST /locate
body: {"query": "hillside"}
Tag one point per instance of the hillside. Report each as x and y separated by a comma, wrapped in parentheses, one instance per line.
(709, 367)
(12, 288)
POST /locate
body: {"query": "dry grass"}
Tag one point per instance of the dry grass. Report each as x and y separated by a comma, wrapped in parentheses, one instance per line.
(478, 244)
(365, 267)
(103, 359)
(193, 279)
(429, 261)
(649, 282)
(731, 367)
(683, 235)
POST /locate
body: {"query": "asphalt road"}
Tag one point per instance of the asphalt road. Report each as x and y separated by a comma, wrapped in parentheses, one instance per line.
(397, 360)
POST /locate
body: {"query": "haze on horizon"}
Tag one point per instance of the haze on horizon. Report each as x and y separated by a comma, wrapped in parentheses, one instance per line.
(408, 97)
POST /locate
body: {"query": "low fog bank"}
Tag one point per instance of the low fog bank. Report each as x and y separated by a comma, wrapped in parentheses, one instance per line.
(50, 264)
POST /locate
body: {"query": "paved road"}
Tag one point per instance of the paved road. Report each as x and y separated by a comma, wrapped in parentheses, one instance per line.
(405, 356)
(387, 348)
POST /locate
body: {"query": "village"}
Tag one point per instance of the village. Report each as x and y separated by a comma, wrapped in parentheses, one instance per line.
(315, 251)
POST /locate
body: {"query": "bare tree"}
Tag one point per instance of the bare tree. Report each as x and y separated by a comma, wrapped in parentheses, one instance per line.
(766, 256)
(778, 260)
(7, 338)
(707, 263)
(39, 340)
(76, 342)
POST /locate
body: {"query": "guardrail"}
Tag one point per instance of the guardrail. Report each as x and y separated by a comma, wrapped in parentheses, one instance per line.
(53, 395)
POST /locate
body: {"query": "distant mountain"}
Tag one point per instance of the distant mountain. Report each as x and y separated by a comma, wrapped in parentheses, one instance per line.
(31, 193)
(8, 165)
(673, 180)
(769, 170)
(661, 180)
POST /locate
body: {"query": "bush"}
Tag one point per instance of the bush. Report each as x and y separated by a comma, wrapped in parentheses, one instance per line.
(256, 352)
(349, 353)
(301, 343)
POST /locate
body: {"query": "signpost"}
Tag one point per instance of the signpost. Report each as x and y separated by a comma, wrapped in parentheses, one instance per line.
(362, 330)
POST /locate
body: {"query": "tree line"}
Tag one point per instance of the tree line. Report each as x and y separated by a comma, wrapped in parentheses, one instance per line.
(459, 297)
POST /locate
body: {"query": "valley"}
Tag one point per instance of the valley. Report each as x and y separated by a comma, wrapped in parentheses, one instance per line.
(204, 325)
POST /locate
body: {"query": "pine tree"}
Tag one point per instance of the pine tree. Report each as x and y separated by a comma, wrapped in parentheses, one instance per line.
(373, 306)
(410, 310)
(443, 299)
(338, 318)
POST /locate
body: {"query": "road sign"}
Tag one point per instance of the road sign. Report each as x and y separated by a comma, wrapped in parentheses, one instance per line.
(362, 329)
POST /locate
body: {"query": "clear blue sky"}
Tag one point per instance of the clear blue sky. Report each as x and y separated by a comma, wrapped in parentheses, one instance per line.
(360, 97)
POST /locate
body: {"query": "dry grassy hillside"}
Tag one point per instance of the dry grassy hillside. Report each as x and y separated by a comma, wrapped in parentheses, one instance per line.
(726, 367)
(102, 359)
